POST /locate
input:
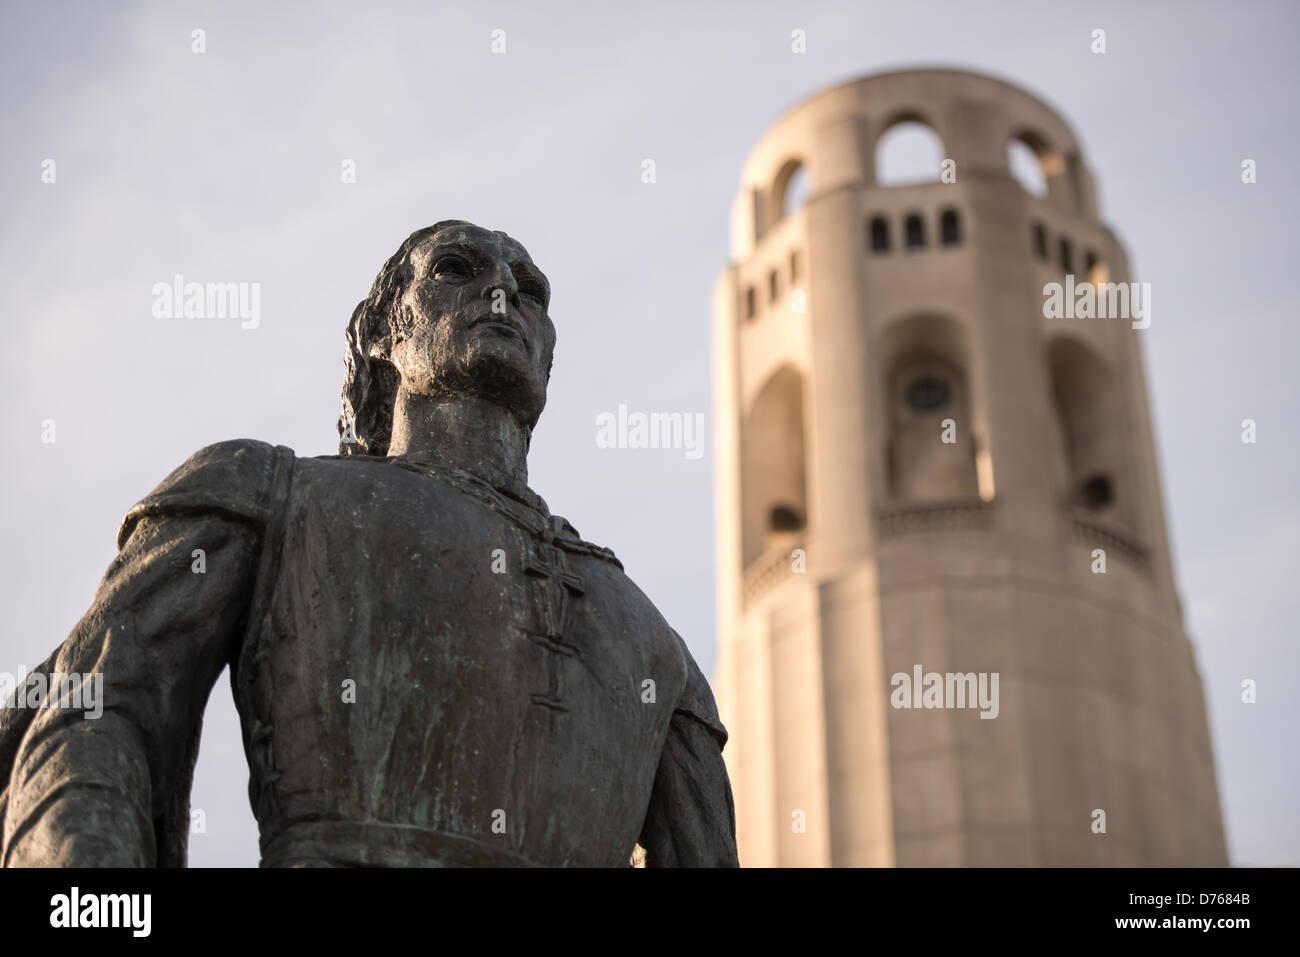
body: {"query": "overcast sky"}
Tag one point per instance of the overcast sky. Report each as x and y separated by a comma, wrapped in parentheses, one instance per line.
(226, 166)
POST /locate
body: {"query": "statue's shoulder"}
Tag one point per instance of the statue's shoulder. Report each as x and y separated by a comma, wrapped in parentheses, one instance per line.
(697, 701)
(568, 538)
(238, 478)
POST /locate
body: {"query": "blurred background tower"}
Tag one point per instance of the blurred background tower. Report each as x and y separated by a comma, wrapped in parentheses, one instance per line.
(856, 316)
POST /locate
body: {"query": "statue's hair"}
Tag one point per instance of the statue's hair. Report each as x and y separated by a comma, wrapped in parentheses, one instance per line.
(370, 383)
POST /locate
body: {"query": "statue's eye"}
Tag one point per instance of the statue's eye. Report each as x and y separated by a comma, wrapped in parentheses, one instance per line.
(452, 269)
(533, 291)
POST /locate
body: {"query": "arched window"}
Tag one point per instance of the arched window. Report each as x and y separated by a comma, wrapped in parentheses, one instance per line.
(1067, 256)
(927, 391)
(879, 239)
(914, 232)
(794, 266)
(949, 228)
(773, 286)
(923, 360)
(1038, 166)
(1024, 166)
(773, 494)
(1040, 240)
(751, 302)
(790, 189)
(1091, 421)
(908, 152)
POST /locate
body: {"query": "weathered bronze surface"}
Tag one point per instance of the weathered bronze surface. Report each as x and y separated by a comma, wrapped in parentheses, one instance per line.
(430, 668)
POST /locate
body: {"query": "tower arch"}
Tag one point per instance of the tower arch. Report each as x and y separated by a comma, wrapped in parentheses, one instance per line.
(775, 492)
(790, 189)
(923, 363)
(1090, 415)
(908, 151)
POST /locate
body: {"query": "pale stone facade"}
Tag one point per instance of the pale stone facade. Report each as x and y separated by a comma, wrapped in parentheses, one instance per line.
(855, 544)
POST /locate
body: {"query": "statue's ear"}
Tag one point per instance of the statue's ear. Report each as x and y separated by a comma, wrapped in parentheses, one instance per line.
(380, 345)
(390, 333)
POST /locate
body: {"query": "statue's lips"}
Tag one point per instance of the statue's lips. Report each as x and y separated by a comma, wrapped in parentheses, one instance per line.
(501, 326)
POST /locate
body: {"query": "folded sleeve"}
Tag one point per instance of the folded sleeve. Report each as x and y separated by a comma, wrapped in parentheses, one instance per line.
(691, 820)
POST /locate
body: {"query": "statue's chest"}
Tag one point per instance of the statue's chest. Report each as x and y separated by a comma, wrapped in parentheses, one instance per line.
(433, 661)
(441, 605)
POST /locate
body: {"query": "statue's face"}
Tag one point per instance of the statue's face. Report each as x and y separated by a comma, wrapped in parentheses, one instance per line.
(473, 321)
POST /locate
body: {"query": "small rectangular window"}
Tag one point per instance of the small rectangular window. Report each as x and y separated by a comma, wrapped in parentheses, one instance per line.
(949, 228)
(914, 232)
(1040, 240)
(879, 239)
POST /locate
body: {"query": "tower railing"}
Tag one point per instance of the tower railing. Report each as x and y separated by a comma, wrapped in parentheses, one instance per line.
(776, 563)
(1091, 530)
(936, 516)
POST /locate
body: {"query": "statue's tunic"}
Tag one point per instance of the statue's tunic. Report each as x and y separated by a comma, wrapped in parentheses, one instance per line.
(427, 670)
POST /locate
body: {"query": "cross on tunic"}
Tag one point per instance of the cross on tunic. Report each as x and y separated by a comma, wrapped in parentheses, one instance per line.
(546, 563)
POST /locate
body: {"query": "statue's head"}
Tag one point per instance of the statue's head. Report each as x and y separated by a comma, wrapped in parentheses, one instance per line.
(458, 310)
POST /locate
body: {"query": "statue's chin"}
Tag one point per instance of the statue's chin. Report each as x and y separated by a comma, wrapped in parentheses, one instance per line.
(500, 376)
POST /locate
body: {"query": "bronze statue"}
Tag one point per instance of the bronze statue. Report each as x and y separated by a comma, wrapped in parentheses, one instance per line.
(430, 668)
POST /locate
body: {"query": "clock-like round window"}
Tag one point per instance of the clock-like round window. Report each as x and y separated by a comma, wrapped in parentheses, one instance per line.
(928, 392)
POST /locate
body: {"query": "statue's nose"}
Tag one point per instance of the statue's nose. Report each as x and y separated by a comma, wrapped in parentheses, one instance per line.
(501, 278)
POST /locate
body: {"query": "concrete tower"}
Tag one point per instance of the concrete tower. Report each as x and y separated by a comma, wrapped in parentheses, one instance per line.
(916, 468)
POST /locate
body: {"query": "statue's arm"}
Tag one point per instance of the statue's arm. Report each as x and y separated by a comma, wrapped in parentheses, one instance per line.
(86, 791)
(691, 820)
(96, 791)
